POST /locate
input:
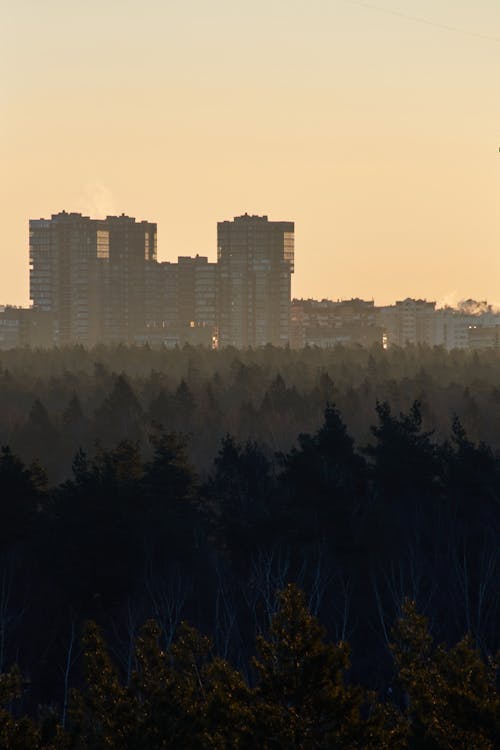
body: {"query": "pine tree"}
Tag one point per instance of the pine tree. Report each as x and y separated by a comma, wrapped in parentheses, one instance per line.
(325, 480)
(15, 734)
(304, 701)
(452, 702)
(405, 460)
(22, 491)
(103, 714)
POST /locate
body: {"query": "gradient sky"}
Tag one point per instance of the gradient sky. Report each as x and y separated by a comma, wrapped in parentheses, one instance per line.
(377, 134)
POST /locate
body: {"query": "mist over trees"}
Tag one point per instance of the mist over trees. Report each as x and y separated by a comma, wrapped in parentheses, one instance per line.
(143, 489)
(54, 402)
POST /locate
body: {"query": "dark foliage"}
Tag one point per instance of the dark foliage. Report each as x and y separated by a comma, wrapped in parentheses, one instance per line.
(194, 485)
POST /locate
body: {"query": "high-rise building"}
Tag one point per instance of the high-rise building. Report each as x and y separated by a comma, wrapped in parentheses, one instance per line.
(132, 250)
(255, 263)
(197, 291)
(182, 302)
(92, 275)
(65, 275)
(101, 281)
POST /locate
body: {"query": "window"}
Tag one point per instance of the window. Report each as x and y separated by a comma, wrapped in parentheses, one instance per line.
(102, 244)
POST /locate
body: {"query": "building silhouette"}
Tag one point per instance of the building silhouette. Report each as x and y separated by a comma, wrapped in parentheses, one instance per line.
(101, 281)
(181, 302)
(26, 327)
(66, 275)
(255, 262)
(197, 291)
(91, 274)
(132, 248)
(408, 321)
(326, 323)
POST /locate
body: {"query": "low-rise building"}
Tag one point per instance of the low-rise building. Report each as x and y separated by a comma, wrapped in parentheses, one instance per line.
(26, 326)
(326, 323)
(408, 321)
(484, 337)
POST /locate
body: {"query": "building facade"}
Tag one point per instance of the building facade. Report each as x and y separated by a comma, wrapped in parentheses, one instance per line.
(101, 281)
(91, 274)
(255, 262)
(132, 249)
(22, 326)
(327, 323)
(409, 321)
(182, 303)
(66, 274)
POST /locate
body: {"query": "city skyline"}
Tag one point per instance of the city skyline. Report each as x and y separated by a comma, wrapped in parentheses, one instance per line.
(101, 282)
(376, 132)
(453, 298)
(469, 304)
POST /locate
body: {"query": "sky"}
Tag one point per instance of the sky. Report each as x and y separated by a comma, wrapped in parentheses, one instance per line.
(375, 127)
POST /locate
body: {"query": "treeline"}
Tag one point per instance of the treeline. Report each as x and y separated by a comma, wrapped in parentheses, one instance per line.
(54, 402)
(359, 528)
(298, 695)
(141, 485)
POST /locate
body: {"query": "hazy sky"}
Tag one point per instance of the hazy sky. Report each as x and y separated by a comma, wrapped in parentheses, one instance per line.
(377, 134)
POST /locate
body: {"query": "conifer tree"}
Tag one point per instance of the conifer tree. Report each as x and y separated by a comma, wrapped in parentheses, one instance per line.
(452, 701)
(15, 734)
(304, 699)
(102, 715)
(186, 698)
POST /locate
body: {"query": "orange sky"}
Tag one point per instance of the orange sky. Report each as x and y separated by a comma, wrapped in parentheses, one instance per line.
(377, 134)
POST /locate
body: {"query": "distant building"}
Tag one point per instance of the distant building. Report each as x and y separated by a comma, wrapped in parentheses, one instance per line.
(21, 326)
(409, 321)
(327, 323)
(469, 326)
(172, 336)
(484, 337)
(10, 328)
(197, 291)
(452, 328)
(91, 274)
(101, 281)
(255, 263)
(65, 275)
(132, 248)
(182, 303)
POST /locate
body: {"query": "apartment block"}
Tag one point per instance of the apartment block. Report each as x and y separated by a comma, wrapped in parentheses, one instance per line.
(255, 263)
(66, 275)
(182, 302)
(409, 321)
(22, 326)
(101, 280)
(91, 274)
(327, 323)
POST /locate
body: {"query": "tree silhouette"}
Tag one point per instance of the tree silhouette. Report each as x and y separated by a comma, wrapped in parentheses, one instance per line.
(22, 491)
(451, 695)
(404, 459)
(325, 478)
(119, 416)
(301, 684)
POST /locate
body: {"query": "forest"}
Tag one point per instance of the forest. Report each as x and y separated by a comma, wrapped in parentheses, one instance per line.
(232, 549)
